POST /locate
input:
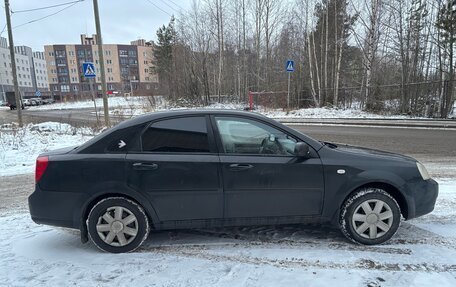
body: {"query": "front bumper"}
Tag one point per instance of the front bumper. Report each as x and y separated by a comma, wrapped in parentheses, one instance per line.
(55, 208)
(423, 195)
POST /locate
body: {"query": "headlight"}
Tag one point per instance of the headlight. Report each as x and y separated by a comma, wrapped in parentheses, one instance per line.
(423, 171)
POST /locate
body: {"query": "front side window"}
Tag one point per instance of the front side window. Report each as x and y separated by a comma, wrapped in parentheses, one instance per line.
(244, 136)
(177, 135)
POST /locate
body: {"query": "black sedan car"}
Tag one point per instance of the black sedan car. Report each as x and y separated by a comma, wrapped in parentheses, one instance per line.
(205, 168)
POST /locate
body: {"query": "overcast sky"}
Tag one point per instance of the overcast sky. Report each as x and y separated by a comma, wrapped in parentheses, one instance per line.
(121, 20)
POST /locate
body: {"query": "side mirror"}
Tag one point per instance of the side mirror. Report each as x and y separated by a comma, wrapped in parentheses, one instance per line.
(302, 150)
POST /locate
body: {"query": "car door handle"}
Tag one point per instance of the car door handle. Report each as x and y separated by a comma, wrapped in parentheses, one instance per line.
(145, 166)
(240, 166)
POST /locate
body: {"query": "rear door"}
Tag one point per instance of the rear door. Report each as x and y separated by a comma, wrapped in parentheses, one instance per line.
(178, 169)
(261, 175)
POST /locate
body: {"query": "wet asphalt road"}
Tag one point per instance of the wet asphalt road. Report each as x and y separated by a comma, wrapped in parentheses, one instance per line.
(421, 142)
(430, 142)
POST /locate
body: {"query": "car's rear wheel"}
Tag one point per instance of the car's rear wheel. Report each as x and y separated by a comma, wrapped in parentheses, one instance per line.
(117, 225)
(370, 216)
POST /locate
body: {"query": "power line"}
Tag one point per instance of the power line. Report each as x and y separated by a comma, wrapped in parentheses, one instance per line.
(158, 7)
(3, 30)
(177, 5)
(47, 16)
(172, 8)
(46, 7)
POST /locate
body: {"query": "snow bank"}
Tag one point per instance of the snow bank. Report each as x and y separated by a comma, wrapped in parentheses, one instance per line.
(19, 147)
(327, 113)
(134, 106)
(114, 102)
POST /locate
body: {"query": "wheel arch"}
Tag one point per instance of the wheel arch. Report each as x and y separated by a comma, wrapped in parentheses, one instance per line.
(388, 188)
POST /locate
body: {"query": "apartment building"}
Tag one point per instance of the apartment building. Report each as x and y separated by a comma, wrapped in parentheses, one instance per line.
(127, 68)
(31, 71)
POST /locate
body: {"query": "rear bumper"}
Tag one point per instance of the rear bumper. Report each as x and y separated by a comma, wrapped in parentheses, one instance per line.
(55, 208)
(423, 197)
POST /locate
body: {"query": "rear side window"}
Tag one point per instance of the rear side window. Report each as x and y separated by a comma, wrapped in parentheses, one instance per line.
(177, 135)
(117, 141)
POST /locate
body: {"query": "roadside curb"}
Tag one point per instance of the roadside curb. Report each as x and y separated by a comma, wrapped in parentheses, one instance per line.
(400, 123)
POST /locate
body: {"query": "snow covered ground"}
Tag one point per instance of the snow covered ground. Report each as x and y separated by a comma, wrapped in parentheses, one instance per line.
(133, 106)
(19, 148)
(422, 253)
(114, 102)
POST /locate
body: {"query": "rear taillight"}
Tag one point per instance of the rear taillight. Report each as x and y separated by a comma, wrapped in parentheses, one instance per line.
(41, 166)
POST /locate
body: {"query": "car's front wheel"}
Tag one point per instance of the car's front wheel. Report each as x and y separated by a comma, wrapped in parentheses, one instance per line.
(370, 216)
(117, 225)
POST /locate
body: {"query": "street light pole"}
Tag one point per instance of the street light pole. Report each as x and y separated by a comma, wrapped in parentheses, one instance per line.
(102, 64)
(13, 63)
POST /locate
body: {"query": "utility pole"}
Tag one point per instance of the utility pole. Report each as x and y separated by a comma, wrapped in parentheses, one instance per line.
(13, 63)
(102, 64)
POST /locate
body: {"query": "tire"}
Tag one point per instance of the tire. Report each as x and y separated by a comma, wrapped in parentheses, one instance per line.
(370, 216)
(117, 225)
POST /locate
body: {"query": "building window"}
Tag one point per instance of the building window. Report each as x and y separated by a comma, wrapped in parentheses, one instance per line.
(109, 61)
(64, 88)
(51, 54)
(123, 53)
(146, 62)
(60, 53)
(75, 88)
(132, 53)
(109, 70)
(146, 70)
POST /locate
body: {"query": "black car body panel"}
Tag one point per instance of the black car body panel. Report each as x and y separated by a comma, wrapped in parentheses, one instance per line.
(214, 188)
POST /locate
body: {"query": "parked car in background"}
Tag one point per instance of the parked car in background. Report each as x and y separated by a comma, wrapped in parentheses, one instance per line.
(36, 101)
(27, 102)
(199, 169)
(48, 101)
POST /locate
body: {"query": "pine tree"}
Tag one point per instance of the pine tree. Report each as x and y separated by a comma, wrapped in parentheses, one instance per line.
(163, 56)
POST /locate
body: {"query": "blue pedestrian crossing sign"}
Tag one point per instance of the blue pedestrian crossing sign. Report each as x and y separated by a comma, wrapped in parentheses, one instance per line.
(290, 66)
(38, 93)
(88, 68)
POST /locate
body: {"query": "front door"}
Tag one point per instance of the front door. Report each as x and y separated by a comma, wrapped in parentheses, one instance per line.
(178, 170)
(261, 175)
